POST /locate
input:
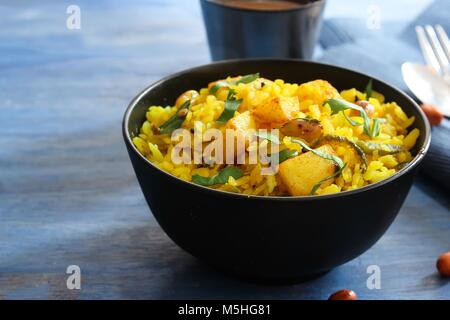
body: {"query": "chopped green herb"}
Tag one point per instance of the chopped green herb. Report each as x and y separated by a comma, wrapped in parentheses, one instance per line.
(220, 178)
(244, 79)
(318, 184)
(282, 156)
(369, 89)
(231, 94)
(376, 126)
(177, 119)
(248, 78)
(382, 148)
(217, 86)
(351, 121)
(335, 141)
(321, 154)
(339, 105)
(231, 105)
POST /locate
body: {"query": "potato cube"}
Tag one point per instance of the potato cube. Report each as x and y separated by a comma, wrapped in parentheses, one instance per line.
(242, 122)
(277, 110)
(244, 126)
(316, 92)
(300, 174)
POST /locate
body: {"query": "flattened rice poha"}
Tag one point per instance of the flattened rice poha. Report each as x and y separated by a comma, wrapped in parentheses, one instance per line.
(320, 141)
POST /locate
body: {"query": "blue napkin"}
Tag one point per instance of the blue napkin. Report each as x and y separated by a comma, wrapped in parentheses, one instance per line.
(348, 43)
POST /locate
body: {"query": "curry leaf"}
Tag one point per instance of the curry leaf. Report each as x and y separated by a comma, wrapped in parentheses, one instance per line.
(382, 148)
(220, 178)
(231, 105)
(228, 112)
(369, 89)
(338, 161)
(282, 156)
(318, 184)
(217, 86)
(376, 127)
(338, 105)
(351, 121)
(248, 78)
(244, 79)
(176, 120)
(231, 94)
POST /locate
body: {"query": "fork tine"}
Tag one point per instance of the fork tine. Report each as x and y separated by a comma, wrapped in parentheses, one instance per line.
(427, 51)
(437, 48)
(444, 39)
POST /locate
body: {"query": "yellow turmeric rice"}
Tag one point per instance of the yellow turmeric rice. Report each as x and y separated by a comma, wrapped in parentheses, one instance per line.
(366, 138)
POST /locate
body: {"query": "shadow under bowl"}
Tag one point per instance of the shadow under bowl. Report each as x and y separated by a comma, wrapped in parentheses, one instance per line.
(270, 238)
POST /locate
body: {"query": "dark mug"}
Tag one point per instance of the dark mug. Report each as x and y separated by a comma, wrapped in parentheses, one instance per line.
(240, 31)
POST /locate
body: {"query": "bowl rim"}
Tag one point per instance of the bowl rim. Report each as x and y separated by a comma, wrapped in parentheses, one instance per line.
(410, 166)
(302, 7)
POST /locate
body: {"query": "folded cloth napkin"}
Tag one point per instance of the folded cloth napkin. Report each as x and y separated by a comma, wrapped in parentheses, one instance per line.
(348, 43)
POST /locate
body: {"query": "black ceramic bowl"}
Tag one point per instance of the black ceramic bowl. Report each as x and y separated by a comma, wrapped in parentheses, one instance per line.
(270, 238)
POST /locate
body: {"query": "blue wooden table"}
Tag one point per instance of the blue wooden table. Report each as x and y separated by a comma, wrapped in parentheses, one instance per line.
(68, 194)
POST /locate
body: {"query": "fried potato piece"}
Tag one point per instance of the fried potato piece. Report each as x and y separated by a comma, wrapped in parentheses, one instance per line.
(245, 128)
(316, 92)
(242, 122)
(276, 111)
(300, 174)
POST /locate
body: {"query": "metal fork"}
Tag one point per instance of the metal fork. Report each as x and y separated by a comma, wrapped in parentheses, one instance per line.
(435, 46)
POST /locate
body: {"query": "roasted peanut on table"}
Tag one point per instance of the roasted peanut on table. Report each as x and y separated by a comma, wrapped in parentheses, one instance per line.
(443, 264)
(344, 294)
(433, 113)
